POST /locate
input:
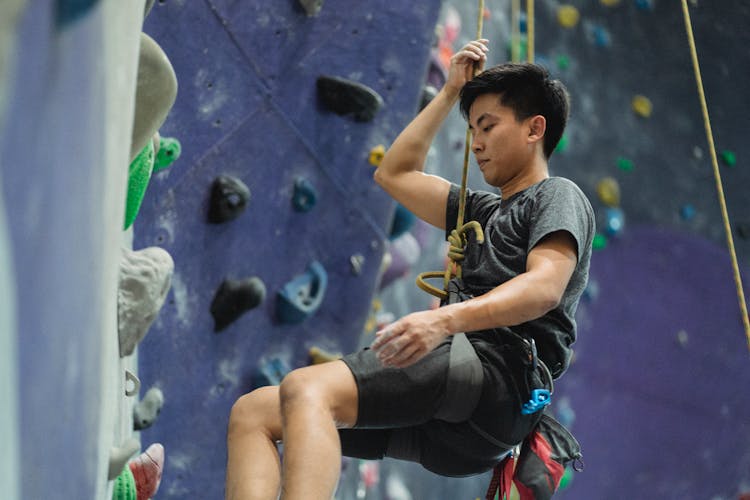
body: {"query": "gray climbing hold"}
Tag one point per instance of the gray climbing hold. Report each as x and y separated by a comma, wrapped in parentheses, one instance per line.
(233, 298)
(147, 410)
(156, 91)
(347, 97)
(145, 279)
(119, 456)
(312, 7)
(428, 94)
(229, 197)
(147, 8)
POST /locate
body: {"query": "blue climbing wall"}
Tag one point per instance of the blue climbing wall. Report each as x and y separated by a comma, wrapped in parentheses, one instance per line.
(247, 107)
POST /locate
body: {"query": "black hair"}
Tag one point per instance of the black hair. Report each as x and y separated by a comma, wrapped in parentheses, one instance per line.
(528, 90)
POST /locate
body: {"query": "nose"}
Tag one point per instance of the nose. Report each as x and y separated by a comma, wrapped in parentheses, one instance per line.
(476, 145)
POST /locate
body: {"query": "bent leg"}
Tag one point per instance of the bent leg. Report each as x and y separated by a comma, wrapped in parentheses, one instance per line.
(253, 470)
(315, 402)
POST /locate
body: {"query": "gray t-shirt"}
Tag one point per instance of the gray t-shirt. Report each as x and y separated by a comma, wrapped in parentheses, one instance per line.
(512, 228)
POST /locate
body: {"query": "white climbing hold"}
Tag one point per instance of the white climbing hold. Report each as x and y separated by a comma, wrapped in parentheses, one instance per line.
(145, 278)
(312, 7)
(119, 456)
(147, 410)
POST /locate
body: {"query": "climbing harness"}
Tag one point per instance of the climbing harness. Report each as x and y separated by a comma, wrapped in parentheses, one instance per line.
(717, 174)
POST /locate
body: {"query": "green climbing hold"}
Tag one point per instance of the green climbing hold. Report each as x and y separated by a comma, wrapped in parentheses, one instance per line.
(519, 50)
(169, 151)
(562, 146)
(124, 487)
(600, 242)
(728, 158)
(624, 164)
(566, 478)
(140, 174)
(563, 62)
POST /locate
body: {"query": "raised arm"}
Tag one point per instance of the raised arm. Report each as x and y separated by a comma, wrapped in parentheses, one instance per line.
(401, 171)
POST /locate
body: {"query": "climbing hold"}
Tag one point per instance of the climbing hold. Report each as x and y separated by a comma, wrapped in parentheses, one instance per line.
(357, 261)
(139, 174)
(566, 479)
(68, 11)
(148, 7)
(132, 378)
(624, 164)
(728, 158)
(120, 455)
(124, 487)
(687, 211)
(562, 145)
(305, 196)
(743, 230)
(568, 16)
(376, 155)
(563, 62)
(147, 469)
(601, 36)
(318, 355)
(271, 372)
(615, 222)
(610, 3)
(229, 197)
(600, 242)
(565, 413)
(428, 94)
(697, 153)
(233, 298)
(144, 281)
(642, 106)
(403, 221)
(147, 410)
(312, 7)
(405, 252)
(644, 4)
(609, 191)
(156, 91)
(169, 151)
(591, 292)
(303, 295)
(682, 338)
(347, 97)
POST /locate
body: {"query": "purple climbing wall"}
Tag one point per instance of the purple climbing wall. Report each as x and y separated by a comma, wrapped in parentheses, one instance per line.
(248, 108)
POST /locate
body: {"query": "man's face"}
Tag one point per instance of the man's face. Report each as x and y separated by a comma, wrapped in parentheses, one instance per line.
(499, 141)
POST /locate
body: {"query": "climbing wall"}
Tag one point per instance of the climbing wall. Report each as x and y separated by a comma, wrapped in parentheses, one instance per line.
(248, 109)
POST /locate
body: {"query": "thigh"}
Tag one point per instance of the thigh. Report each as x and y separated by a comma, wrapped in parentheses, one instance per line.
(399, 397)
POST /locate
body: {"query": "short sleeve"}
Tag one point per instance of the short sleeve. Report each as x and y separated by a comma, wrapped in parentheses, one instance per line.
(560, 205)
(479, 207)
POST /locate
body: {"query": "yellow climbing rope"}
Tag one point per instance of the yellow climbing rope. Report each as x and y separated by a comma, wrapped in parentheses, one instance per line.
(457, 238)
(530, 31)
(717, 174)
(515, 31)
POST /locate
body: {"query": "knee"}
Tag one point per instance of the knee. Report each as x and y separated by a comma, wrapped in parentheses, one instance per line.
(253, 409)
(299, 387)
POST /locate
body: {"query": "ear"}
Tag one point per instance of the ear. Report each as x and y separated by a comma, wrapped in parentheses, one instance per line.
(537, 127)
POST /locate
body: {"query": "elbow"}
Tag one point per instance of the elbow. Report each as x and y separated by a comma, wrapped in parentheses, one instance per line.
(378, 176)
(549, 301)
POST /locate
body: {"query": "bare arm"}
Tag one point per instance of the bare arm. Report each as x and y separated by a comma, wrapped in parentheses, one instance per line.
(401, 171)
(528, 296)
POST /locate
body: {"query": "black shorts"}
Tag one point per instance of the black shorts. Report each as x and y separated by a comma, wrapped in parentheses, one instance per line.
(399, 409)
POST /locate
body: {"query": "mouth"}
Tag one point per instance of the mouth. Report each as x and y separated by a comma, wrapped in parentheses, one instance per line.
(482, 163)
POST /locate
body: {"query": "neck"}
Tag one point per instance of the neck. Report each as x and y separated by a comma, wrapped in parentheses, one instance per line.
(536, 172)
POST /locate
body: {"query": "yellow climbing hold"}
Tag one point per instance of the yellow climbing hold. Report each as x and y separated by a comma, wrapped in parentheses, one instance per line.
(568, 16)
(376, 155)
(318, 355)
(642, 106)
(610, 3)
(609, 191)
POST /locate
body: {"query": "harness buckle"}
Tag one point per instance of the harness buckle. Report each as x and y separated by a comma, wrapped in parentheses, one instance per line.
(539, 399)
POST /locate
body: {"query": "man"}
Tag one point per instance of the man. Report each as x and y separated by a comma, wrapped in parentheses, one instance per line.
(408, 397)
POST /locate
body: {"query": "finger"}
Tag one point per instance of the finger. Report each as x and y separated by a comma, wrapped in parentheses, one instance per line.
(407, 357)
(395, 353)
(382, 337)
(480, 44)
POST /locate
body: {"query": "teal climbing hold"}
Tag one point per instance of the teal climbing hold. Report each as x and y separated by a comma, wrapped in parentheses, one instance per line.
(305, 195)
(68, 11)
(615, 221)
(600, 242)
(140, 174)
(303, 295)
(624, 164)
(271, 372)
(562, 145)
(563, 62)
(169, 151)
(403, 221)
(124, 487)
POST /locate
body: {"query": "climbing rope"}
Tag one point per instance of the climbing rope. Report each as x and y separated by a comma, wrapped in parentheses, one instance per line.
(515, 31)
(717, 174)
(530, 31)
(457, 239)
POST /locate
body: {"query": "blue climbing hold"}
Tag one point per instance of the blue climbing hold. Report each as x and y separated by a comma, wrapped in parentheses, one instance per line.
(403, 221)
(644, 4)
(305, 196)
(687, 212)
(271, 372)
(303, 295)
(615, 221)
(601, 36)
(69, 11)
(522, 24)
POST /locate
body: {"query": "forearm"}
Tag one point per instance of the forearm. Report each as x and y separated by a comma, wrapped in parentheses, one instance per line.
(524, 298)
(409, 150)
